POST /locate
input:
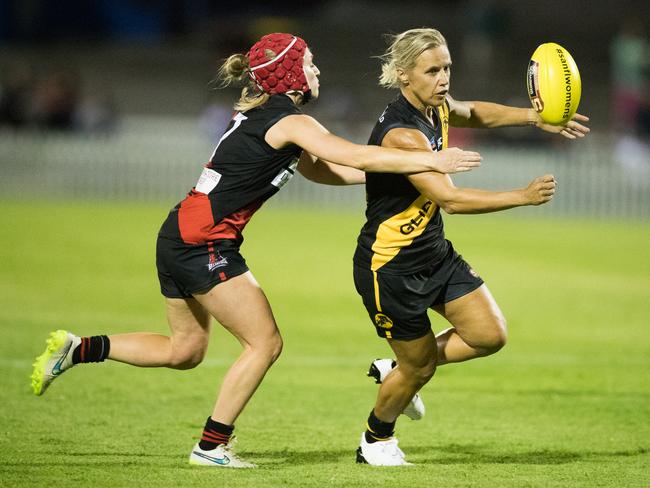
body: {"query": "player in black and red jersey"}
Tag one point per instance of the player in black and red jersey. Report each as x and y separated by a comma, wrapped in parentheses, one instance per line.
(201, 272)
(403, 265)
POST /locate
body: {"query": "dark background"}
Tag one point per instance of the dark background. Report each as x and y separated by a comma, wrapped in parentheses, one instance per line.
(158, 57)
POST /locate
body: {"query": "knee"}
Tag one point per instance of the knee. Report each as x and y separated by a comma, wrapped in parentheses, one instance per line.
(275, 348)
(187, 358)
(268, 350)
(496, 335)
(421, 374)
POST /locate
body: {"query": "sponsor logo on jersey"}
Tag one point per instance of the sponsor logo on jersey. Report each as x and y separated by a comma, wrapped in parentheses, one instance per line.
(415, 222)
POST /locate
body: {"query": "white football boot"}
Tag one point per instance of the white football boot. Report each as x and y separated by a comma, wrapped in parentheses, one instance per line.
(379, 369)
(221, 456)
(56, 359)
(381, 453)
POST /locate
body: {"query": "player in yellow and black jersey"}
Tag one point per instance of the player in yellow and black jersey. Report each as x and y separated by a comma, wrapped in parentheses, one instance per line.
(404, 230)
(403, 265)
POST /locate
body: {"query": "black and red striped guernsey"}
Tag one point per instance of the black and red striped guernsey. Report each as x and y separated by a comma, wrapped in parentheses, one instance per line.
(243, 172)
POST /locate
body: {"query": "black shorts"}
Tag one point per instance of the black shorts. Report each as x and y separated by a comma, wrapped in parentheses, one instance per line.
(184, 269)
(398, 304)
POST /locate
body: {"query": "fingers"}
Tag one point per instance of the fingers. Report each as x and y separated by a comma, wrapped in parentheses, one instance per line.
(577, 126)
(547, 177)
(574, 129)
(578, 129)
(464, 155)
(461, 161)
(547, 187)
(463, 169)
(471, 156)
(471, 164)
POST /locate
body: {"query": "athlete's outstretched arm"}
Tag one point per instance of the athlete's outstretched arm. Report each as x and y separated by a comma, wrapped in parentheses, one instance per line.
(487, 115)
(307, 133)
(327, 173)
(440, 189)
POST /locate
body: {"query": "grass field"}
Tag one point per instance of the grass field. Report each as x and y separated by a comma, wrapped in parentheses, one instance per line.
(566, 403)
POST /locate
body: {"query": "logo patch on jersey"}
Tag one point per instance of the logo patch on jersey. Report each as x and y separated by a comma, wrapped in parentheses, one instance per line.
(285, 175)
(436, 144)
(473, 273)
(216, 261)
(383, 321)
(207, 181)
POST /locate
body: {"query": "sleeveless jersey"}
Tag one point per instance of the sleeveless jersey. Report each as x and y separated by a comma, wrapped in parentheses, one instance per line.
(243, 172)
(404, 230)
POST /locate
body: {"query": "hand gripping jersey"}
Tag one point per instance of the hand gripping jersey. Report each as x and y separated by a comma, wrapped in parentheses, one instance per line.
(243, 172)
(404, 230)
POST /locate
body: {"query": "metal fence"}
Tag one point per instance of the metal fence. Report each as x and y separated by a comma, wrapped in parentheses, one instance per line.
(154, 159)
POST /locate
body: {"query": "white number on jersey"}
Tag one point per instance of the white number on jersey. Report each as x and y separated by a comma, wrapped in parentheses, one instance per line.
(239, 118)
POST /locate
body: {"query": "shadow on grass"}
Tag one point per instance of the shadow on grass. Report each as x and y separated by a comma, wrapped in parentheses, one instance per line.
(443, 455)
(448, 454)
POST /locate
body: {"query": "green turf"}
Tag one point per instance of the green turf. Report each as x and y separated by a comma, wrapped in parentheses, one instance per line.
(566, 403)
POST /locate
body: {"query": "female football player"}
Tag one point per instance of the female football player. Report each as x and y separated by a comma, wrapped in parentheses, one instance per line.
(201, 272)
(403, 265)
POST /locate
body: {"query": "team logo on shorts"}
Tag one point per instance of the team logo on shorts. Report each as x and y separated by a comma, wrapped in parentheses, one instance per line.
(216, 261)
(383, 321)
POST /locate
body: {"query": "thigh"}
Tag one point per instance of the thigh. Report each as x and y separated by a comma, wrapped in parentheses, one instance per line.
(474, 315)
(187, 316)
(240, 305)
(189, 323)
(415, 354)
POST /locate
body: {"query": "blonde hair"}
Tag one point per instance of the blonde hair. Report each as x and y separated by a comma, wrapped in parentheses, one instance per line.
(234, 71)
(403, 52)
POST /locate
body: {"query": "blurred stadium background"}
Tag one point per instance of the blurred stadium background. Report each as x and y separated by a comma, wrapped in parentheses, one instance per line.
(112, 99)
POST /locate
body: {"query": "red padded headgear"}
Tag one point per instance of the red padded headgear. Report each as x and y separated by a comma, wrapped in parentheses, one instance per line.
(284, 72)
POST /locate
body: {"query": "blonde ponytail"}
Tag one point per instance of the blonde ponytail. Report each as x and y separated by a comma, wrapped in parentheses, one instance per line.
(235, 71)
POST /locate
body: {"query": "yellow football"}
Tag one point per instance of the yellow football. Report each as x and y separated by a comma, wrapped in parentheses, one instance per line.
(554, 85)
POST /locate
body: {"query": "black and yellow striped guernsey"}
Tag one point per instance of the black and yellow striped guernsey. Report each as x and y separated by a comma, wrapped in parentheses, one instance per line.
(404, 230)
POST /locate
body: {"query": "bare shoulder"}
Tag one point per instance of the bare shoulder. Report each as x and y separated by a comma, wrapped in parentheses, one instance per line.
(299, 120)
(406, 138)
(293, 128)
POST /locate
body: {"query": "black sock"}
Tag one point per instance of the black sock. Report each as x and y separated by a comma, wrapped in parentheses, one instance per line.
(215, 433)
(93, 349)
(378, 430)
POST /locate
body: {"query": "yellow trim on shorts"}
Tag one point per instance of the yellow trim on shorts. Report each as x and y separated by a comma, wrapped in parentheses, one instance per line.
(376, 286)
